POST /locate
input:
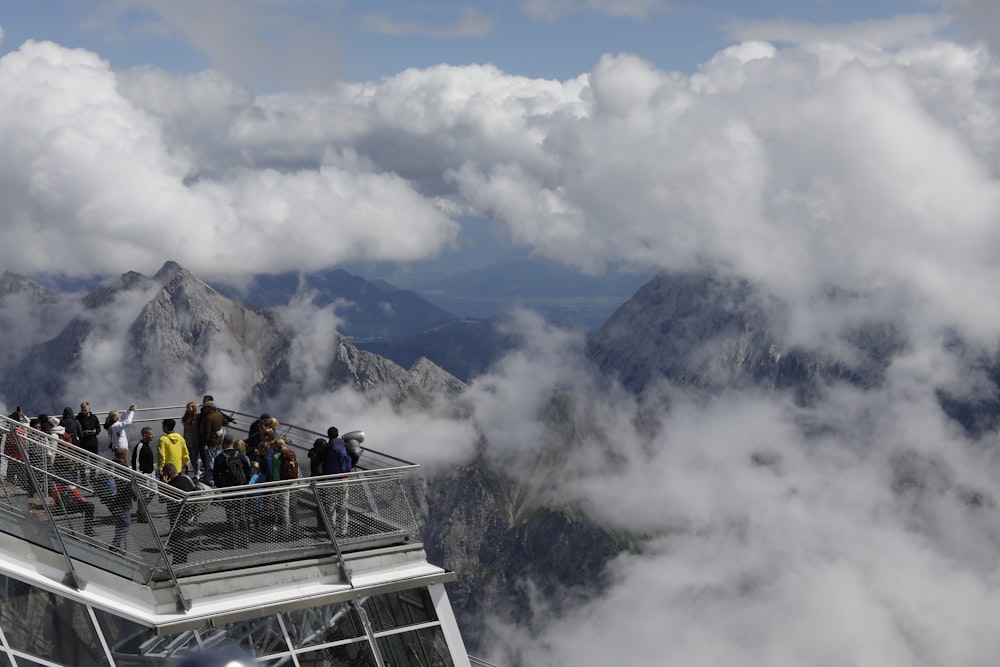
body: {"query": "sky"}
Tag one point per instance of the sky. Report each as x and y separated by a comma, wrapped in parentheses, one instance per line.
(816, 149)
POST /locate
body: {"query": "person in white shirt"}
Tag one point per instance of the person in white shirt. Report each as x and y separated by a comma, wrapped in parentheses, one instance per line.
(117, 427)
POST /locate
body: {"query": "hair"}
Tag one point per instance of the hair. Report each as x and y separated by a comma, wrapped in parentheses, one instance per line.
(279, 444)
(146, 428)
(113, 416)
(169, 424)
(190, 413)
(84, 405)
(169, 469)
(43, 423)
(240, 445)
(319, 442)
(272, 424)
(267, 434)
(121, 453)
(332, 432)
(254, 465)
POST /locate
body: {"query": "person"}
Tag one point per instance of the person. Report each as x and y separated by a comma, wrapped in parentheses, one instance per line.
(253, 433)
(71, 425)
(172, 448)
(255, 515)
(283, 467)
(116, 427)
(60, 438)
(265, 454)
(179, 543)
(338, 461)
(90, 426)
(142, 461)
(68, 499)
(49, 446)
(17, 472)
(317, 454)
(120, 504)
(211, 429)
(232, 468)
(189, 429)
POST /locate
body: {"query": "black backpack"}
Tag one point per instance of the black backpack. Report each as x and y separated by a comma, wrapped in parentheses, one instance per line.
(235, 473)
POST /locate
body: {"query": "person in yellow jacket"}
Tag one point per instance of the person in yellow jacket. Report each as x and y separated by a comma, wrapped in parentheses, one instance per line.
(172, 448)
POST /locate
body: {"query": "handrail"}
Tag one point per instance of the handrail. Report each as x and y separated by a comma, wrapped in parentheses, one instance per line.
(297, 438)
(479, 662)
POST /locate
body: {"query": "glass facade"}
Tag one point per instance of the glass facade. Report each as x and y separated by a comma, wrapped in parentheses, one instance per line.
(42, 628)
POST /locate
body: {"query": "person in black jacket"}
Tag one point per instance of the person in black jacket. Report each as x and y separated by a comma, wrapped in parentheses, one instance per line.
(142, 461)
(179, 543)
(90, 426)
(72, 425)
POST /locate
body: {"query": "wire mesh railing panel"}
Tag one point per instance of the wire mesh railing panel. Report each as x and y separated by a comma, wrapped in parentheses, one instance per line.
(100, 507)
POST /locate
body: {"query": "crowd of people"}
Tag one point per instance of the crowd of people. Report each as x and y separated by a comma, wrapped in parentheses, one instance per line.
(200, 452)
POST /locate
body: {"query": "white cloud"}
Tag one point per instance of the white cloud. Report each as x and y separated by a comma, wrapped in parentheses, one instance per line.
(885, 33)
(774, 534)
(470, 23)
(252, 40)
(550, 10)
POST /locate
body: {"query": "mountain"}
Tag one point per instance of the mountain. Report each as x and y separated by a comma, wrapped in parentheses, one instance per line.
(162, 335)
(562, 295)
(465, 347)
(705, 332)
(367, 310)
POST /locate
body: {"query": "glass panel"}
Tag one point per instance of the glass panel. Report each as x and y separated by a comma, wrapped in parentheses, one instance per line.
(355, 654)
(323, 624)
(258, 637)
(4, 659)
(419, 648)
(47, 625)
(399, 609)
(134, 644)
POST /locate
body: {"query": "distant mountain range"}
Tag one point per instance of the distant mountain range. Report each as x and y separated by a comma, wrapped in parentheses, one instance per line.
(404, 325)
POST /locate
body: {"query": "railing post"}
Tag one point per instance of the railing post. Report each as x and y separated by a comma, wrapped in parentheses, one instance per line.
(183, 604)
(71, 578)
(321, 508)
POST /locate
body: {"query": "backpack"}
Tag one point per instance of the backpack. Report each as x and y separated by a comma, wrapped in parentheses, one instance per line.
(106, 489)
(335, 462)
(235, 474)
(66, 437)
(289, 465)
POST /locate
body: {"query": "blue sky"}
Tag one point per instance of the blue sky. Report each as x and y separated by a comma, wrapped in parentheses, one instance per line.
(367, 40)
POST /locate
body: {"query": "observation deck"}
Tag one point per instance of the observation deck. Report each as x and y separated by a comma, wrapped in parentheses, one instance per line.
(262, 566)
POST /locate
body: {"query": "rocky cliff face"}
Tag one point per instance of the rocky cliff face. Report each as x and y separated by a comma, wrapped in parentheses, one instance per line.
(154, 338)
(705, 332)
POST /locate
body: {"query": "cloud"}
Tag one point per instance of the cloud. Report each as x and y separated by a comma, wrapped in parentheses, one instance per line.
(89, 168)
(977, 18)
(471, 23)
(551, 10)
(760, 525)
(879, 34)
(257, 40)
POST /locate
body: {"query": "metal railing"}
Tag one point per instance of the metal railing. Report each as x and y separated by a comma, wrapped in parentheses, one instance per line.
(59, 496)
